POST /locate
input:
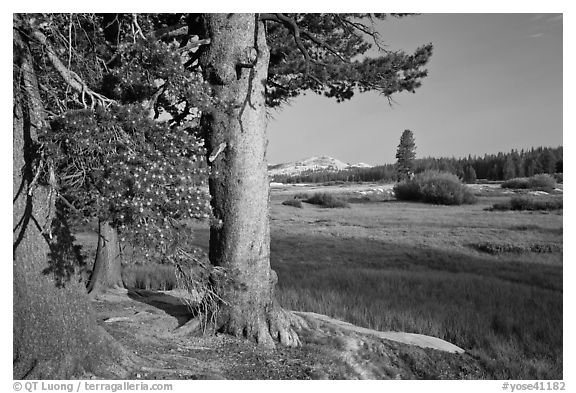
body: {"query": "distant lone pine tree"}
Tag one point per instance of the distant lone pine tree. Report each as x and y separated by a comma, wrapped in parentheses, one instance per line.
(469, 174)
(405, 155)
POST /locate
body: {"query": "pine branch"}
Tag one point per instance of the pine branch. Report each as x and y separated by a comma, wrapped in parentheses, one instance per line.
(324, 45)
(293, 27)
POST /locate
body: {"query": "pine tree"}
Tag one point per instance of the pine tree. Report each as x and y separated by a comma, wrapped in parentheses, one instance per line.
(509, 169)
(225, 69)
(405, 155)
(469, 174)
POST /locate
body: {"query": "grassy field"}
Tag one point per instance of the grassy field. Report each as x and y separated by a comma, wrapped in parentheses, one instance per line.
(424, 269)
(487, 281)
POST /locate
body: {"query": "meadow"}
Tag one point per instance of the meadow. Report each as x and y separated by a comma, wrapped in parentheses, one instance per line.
(487, 281)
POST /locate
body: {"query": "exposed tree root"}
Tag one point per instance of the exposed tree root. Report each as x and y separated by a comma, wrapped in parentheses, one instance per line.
(283, 326)
(116, 293)
(194, 327)
(273, 325)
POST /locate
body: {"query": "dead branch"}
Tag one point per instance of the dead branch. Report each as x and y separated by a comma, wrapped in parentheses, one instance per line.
(70, 77)
(151, 104)
(297, 30)
(136, 27)
(68, 203)
(350, 26)
(171, 31)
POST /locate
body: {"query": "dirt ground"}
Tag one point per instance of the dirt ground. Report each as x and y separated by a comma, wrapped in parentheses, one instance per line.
(152, 325)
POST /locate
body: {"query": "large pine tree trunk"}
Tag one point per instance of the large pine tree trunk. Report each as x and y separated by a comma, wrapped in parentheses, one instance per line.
(55, 334)
(107, 271)
(236, 66)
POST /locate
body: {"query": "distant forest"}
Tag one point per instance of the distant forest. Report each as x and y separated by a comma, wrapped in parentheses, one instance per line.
(501, 166)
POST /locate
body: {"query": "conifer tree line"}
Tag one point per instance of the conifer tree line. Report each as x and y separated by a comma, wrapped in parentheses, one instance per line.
(500, 166)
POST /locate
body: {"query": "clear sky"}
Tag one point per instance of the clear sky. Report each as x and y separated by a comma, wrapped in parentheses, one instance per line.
(494, 84)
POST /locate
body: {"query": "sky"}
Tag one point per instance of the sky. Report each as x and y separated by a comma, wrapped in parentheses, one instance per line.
(494, 84)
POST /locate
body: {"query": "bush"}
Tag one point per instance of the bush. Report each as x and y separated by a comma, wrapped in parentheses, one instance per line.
(326, 200)
(530, 204)
(301, 195)
(504, 248)
(498, 248)
(293, 202)
(407, 191)
(541, 182)
(518, 183)
(559, 177)
(437, 187)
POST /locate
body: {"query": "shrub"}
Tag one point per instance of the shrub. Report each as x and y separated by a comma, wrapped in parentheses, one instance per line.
(407, 191)
(530, 204)
(501, 206)
(498, 248)
(516, 183)
(293, 202)
(326, 200)
(301, 195)
(541, 182)
(535, 203)
(504, 248)
(372, 197)
(441, 188)
(559, 177)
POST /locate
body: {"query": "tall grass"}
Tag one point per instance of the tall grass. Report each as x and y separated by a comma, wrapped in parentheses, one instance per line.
(149, 276)
(509, 315)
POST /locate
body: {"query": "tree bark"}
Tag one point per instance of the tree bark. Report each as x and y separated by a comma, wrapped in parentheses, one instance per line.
(55, 334)
(107, 272)
(236, 66)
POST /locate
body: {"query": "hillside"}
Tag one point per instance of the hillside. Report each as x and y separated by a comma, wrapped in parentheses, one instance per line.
(312, 164)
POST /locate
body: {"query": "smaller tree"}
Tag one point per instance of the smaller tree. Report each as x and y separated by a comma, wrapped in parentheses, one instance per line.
(547, 161)
(405, 155)
(509, 169)
(469, 174)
